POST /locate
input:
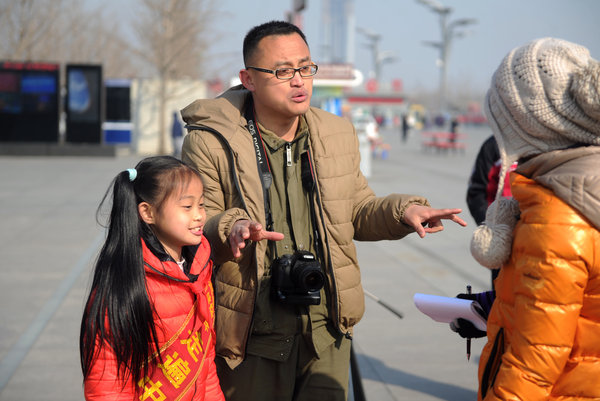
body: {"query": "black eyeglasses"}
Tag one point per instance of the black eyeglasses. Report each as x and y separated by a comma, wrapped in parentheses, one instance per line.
(288, 72)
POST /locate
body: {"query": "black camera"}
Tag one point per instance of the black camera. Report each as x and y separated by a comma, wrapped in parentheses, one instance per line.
(297, 279)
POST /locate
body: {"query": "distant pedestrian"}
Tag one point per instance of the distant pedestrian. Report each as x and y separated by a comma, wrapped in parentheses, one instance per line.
(177, 135)
(439, 120)
(147, 329)
(453, 130)
(405, 127)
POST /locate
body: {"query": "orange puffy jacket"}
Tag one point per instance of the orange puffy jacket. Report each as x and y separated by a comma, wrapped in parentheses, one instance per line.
(172, 295)
(544, 327)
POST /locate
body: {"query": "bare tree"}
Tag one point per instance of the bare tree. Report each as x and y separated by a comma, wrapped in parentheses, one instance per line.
(93, 36)
(24, 25)
(174, 36)
(63, 31)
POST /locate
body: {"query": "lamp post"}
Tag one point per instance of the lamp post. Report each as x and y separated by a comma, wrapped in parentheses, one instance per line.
(449, 32)
(379, 57)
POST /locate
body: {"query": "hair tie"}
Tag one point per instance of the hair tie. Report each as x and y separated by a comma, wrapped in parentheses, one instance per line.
(132, 173)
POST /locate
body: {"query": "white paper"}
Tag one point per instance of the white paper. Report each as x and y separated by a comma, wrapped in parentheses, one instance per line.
(446, 309)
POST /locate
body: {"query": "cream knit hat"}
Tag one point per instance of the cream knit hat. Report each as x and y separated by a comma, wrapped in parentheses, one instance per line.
(544, 96)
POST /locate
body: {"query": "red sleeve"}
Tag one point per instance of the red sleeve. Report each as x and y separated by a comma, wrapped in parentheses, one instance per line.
(213, 388)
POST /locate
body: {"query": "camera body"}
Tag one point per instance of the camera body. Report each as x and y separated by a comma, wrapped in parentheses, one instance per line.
(297, 279)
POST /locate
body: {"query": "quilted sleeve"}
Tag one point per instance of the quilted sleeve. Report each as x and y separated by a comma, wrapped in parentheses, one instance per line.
(102, 382)
(213, 388)
(220, 217)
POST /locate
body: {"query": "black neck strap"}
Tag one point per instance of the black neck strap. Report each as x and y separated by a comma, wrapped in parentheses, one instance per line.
(308, 174)
(309, 183)
(262, 161)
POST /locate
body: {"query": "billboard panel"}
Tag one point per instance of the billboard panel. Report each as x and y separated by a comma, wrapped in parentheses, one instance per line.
(117, 125)
(84, 103)
(29, 102)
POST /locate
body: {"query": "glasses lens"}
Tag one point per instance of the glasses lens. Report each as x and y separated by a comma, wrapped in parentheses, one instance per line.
(285, 73)
(308, 70)
(288, 73)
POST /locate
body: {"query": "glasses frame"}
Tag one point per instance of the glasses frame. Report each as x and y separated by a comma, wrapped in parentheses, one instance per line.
(296, 70)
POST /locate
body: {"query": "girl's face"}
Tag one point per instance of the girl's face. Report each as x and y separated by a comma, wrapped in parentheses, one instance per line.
(180, 220)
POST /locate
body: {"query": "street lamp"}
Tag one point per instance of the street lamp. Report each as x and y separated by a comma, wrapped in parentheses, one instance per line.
(379, 57)
(448, 33)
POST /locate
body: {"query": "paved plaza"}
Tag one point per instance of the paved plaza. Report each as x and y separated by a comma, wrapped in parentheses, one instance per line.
(49, 239)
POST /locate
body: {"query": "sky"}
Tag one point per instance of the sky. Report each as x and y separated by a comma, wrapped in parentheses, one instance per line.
(404, 25)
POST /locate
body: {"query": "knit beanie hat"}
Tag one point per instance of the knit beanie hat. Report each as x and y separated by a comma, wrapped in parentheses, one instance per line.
(544, 96)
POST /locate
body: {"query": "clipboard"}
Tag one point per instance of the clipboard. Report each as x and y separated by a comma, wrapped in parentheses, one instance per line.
(446, 309)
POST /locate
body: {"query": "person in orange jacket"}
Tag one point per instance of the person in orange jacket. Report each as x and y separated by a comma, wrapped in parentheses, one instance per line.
(147, 329)
(544, 325)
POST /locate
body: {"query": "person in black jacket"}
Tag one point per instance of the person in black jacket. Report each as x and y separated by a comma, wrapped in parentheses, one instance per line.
(483, 183)
(477, 191)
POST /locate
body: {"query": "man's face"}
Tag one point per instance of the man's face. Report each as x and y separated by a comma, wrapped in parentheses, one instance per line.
(276, 99)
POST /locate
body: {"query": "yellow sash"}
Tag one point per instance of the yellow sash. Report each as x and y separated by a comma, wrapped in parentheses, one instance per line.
(183, 357)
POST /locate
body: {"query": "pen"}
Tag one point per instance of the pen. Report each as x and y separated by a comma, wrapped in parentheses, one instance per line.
(468, 338)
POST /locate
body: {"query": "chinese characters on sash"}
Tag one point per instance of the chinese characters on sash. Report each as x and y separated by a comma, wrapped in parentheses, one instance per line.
(183, 357)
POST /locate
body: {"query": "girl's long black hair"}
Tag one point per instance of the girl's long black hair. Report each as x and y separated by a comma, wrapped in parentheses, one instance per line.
(118, 312)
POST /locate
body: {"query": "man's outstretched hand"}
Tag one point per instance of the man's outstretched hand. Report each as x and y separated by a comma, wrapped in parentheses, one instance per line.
(246, 230)
(425, 219)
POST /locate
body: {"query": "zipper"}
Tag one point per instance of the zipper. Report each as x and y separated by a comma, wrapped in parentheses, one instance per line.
(288, 154)
(324, 243)
(492, 367)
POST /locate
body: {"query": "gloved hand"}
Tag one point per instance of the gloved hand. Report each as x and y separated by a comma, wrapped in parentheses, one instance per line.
(466, 329)
(470, 297)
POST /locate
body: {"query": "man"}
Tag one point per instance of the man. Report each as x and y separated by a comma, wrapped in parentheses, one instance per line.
(306, 197)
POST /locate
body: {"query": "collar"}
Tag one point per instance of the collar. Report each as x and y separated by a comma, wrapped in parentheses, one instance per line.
(275, 143)
(159, 262)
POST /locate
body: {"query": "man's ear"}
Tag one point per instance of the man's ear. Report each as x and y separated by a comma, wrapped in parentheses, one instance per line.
(146, 212)
(246, 79)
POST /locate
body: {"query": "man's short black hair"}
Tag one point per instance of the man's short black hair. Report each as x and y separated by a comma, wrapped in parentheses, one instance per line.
(267, 29)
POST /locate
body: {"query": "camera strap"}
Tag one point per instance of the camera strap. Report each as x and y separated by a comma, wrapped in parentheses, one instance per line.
(307, 174)
(262, 161)
(309, 183)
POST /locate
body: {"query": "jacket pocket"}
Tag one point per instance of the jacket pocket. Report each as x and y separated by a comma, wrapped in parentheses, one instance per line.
(493, 364)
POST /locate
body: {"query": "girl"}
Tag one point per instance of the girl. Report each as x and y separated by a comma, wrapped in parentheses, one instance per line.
(147, 330)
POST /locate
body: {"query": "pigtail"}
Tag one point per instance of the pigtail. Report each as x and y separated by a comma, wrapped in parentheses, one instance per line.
(118, 312)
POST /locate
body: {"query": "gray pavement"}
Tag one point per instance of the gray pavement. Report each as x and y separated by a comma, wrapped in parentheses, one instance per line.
(49, 239)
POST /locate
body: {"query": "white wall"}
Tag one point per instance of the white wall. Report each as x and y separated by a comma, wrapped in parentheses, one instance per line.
(145, 105)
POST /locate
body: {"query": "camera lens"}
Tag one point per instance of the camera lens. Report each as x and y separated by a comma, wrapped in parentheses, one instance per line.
(314, 281)
(309, 277)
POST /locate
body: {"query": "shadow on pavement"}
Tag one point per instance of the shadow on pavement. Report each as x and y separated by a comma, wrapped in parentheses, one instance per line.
(378, 371)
